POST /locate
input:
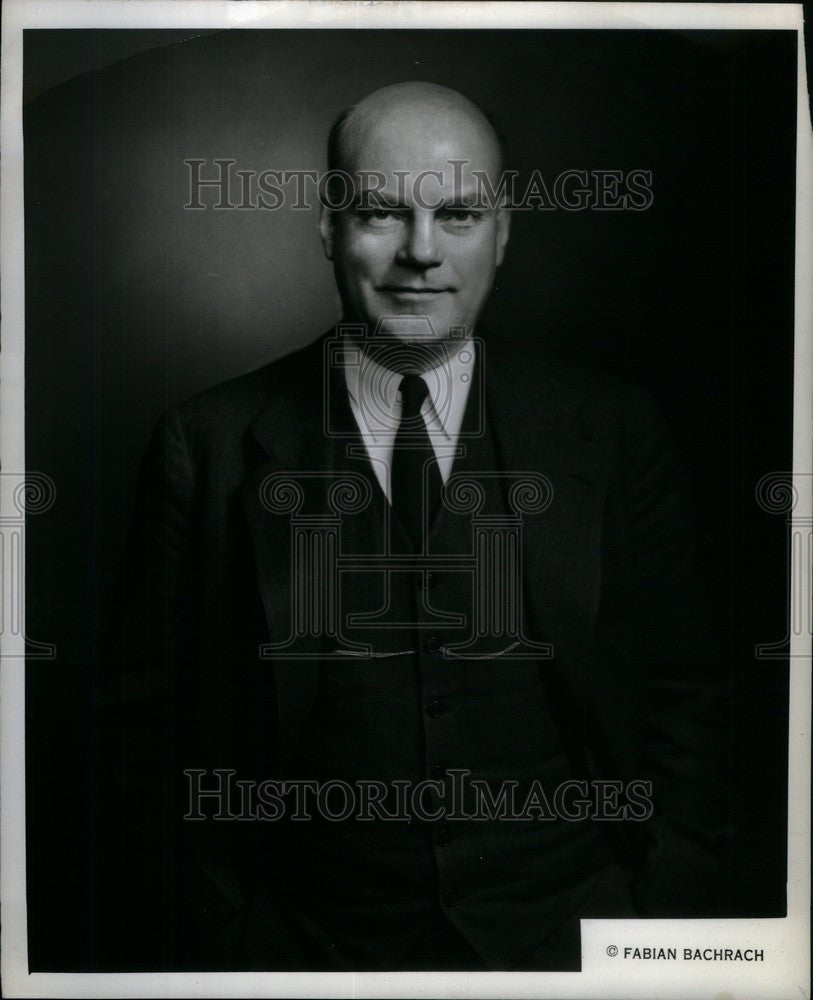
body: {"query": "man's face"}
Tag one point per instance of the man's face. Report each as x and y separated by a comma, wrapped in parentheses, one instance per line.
(417, 258)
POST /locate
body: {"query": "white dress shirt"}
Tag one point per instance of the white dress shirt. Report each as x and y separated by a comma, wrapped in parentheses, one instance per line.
(375, 401)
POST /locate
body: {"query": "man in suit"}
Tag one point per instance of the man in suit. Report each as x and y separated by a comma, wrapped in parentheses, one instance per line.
(405, 558)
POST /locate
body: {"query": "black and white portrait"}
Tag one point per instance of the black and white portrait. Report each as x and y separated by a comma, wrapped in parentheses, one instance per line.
(412, 409)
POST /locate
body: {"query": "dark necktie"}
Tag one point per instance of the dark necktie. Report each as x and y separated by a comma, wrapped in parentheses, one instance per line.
(415, 478)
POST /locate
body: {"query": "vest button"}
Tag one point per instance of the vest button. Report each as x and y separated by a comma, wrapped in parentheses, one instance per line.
(435, 709)
(444, 837)
(431, 645)
(450, 897)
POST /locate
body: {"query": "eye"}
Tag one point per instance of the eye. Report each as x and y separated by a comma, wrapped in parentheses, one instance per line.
(380, 218)
(461, 218)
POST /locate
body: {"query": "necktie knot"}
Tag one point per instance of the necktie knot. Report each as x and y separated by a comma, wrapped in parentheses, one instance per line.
(413, 393)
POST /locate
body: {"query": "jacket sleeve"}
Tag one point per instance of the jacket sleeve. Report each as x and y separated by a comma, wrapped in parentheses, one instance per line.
(140, 870)
(675, 639)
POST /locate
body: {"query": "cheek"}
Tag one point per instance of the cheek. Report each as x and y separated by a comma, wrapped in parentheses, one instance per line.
(361, 254)
(365, 267)
(477, 261)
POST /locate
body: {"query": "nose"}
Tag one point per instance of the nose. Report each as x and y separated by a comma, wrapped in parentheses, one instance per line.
(420, 248)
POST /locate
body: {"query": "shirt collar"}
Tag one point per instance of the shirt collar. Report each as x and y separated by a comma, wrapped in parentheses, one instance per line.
(375, 397)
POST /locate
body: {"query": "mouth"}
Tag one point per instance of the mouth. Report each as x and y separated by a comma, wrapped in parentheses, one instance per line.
(411, 291)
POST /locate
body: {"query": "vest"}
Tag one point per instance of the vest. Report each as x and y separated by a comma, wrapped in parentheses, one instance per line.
(410, 713)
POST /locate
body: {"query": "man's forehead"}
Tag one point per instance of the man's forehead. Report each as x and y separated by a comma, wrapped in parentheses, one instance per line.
(420, 154)
(455, 169)
(408, 189)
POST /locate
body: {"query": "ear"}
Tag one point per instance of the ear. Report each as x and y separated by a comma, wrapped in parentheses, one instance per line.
(327, 223)
(503, 229)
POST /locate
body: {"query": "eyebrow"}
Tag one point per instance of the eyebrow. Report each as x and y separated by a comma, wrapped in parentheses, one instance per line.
(379, 199)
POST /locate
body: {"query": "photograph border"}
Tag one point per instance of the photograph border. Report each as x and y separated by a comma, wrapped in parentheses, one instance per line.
(785, 941)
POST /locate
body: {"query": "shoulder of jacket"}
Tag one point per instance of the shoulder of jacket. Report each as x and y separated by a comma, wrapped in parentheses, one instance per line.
(235, 402)
(592, 397)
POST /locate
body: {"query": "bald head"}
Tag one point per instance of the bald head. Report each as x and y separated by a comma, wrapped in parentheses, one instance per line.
(416, 115)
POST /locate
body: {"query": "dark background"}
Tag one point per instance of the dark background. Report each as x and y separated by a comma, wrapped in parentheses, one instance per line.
(134, 303)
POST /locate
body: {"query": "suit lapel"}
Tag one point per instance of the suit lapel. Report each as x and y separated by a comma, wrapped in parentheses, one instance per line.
(289, 440)
(536, 419)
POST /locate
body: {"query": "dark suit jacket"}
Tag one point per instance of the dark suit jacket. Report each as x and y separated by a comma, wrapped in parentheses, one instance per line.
(608, 580)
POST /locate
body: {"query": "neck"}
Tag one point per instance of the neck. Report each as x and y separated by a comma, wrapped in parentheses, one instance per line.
(411, 357)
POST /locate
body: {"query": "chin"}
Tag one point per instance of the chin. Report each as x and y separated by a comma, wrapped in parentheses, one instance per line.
(411, 329)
